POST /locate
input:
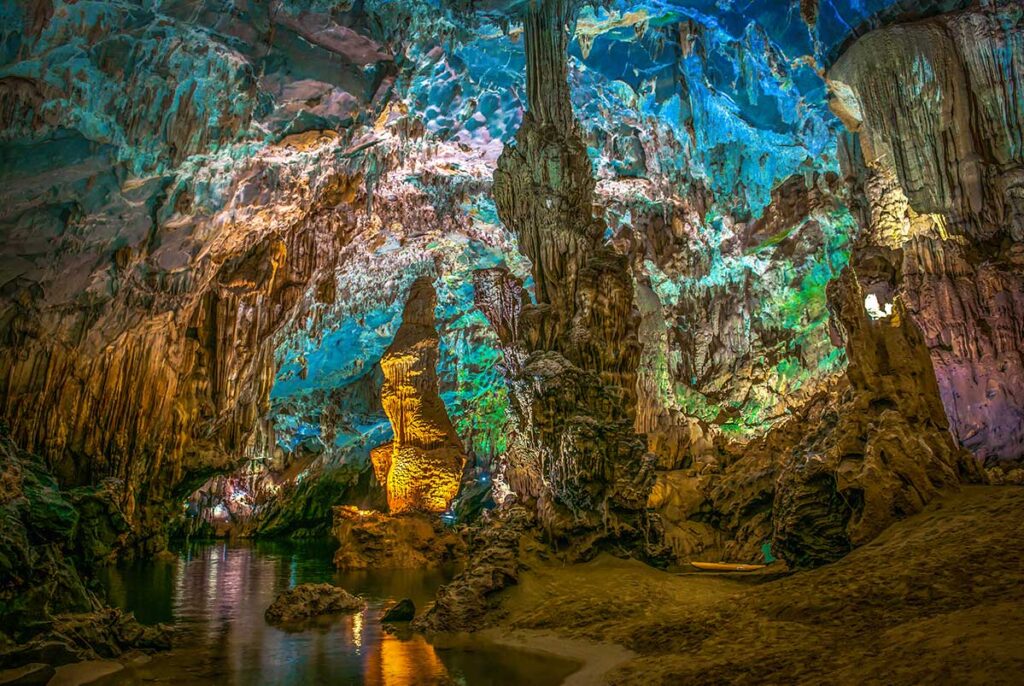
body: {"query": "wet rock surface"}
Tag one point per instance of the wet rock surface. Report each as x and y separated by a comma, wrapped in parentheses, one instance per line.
(277, 258)
(402, 611)
(307, 601)
(48, 548)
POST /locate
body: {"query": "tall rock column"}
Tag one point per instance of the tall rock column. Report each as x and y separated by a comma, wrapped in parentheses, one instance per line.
(572, 356)
(422, 467)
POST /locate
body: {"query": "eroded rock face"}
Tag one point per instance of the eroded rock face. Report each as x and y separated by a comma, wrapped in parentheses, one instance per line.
(421, 468)
(50, 541)
(572, 357)
(402, 611)
(885, 450)
(374, 540)
(492, 565)
(938, 158)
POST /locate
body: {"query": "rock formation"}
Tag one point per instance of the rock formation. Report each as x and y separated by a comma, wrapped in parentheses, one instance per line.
(572, 356)
(402, 611)
(374, 540)
(656, 280)
(936, 157)
(50, 543)
(421, 468)
(311, 600)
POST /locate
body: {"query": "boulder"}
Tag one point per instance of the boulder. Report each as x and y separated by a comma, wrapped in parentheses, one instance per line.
(311, 600)
(402, 611)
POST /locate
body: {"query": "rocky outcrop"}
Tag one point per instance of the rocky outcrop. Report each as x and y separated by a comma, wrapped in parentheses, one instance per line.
(402, 611)
(374, 540)
(163, 226)
(937, 154)
(884, 450)
(47, 549)
(492, 565)
(421, 468)
(311, 600)
(571, 357)
(173, 379)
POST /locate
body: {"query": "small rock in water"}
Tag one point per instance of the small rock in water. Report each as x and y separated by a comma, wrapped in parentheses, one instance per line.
(402, 611)
(312, 600)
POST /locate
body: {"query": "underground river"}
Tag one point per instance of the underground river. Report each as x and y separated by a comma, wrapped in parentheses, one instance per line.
(215, 594)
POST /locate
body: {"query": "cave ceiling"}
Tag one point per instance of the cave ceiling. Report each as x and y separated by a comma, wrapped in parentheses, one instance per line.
(308, 160)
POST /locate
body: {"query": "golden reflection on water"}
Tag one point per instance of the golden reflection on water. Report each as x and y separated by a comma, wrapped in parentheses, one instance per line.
(396, 663)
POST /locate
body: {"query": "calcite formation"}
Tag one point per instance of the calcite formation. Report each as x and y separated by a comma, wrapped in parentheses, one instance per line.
(756, 266)
(421, 469)
(937, 158)
(370, 539)
(575, 454)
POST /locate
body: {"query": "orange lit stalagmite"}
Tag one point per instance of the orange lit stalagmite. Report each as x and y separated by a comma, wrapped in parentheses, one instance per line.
(421, 468)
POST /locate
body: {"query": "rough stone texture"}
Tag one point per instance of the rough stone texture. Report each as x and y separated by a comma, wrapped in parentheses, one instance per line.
(935, 105)
(574, 455)
(421, 468)
(492, 565)
(884, 450)
(47, 549)
(161, 399)
(158, 233)
(311, 600)
(374, 540)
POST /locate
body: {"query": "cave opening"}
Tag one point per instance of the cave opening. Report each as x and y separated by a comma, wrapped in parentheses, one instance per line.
(521, 341)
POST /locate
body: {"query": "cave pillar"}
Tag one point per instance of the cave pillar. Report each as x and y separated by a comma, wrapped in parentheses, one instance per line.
(572, 356)
(421, 468)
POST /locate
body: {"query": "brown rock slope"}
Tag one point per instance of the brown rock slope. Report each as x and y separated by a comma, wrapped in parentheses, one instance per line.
(934, 599)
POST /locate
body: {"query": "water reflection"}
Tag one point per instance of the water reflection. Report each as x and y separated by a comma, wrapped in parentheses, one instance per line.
(215, 594)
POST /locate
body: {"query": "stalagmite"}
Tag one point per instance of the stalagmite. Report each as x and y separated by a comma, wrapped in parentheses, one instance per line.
(422, 467)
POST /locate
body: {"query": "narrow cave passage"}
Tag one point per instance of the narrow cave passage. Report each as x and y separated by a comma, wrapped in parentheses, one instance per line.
(520, 341)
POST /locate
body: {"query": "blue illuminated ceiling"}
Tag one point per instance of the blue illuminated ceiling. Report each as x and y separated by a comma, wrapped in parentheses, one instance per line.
(724, 99)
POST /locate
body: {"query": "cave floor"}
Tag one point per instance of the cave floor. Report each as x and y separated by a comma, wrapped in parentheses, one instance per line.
(938, 598)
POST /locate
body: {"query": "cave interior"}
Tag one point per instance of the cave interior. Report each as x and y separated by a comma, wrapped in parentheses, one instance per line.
(497, 342)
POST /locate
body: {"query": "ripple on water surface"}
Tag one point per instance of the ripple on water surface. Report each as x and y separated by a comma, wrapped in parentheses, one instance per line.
(215, 595)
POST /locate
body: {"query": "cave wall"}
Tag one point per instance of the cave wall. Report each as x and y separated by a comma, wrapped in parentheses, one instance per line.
(936, 155)
(212, 222)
